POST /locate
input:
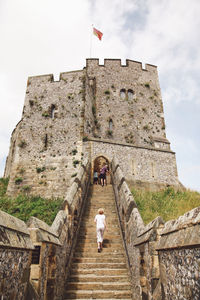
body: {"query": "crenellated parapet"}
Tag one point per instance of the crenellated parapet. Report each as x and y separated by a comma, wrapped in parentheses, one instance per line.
(116, 63)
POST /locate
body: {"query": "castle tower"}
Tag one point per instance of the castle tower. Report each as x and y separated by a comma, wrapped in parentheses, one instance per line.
(100, 111)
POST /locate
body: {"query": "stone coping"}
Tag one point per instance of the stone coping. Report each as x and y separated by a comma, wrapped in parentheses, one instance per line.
(148, 236)
(34, 222)
(160, 139)
(148, 233)
(13, 223)
(129, 145)
(184, 238)
(59, 222)
(153, 224)
(40, 236)
(190, 218)
(15, 240)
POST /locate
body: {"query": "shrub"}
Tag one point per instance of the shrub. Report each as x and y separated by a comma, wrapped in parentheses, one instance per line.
(74, 151)
(45, 114)
(31, 102)
(109, 133)
(75, 163)
(22, 144)
(85, 138)
(107, 92)
(18, 180)
(146, 127)
(147, 85)
(39, 170)
(24, 206)
(26, 188)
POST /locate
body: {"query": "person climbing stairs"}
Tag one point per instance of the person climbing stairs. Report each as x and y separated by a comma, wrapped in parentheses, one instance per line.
(101, 275)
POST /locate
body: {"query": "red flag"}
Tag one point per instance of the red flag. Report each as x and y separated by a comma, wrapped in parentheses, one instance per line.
(98, 33)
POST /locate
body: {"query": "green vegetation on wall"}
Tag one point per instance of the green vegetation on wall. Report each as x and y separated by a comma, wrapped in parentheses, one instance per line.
(168, 203)
(24, 206)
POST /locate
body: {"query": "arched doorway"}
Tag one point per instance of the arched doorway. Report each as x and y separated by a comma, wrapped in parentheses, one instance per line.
(98, 163)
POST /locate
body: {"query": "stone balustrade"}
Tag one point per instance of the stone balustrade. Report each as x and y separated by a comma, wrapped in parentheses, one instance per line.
(41, 275)
(164, 258)
(15, 257)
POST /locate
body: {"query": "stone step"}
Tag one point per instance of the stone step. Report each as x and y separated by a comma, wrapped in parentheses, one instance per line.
(107, 201)
(92, 223)
(91, 235)
(96, 260)
(101, 271)
(92, 215)
(93, 278)
(96, 294)
(93, 247)
(113, 226)
(105, 286)
(98, 265)
(87, 240)
(102, 255)
(101, 275)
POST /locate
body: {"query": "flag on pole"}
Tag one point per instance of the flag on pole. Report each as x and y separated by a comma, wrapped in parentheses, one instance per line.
(98, 33)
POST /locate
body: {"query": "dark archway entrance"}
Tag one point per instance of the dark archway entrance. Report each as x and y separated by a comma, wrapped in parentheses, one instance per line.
(98, 163)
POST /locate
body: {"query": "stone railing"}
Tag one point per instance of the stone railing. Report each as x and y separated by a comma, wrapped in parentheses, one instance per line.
(179, 257)
(15, 257)
(51, 247)
(163, 257)
(131, 223)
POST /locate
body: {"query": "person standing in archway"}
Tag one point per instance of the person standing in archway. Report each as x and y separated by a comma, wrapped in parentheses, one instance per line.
(103, 172)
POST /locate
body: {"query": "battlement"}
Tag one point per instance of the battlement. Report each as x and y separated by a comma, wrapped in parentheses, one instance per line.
(94, 62)
(48, 78)
(118, 63)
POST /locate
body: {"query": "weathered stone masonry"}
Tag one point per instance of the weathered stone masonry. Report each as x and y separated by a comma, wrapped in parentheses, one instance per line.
(118, 108)
(164, 258)
(15, 257)
(35, 258)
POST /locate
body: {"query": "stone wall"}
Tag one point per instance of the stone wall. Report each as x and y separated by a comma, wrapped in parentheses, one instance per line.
(179, 257)
(128, 101)
(142, 164)
(15, 257)
(163, 257)
(52, 251)
(130, 221)
(45, 146)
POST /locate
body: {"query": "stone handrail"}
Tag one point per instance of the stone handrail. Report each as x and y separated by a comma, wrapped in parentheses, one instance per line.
(54, 245)
(159, 254)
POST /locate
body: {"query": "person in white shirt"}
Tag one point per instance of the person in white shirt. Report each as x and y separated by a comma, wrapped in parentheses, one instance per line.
(100, 221)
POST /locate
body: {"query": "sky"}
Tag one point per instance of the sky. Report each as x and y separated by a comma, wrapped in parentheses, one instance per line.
(52, 36)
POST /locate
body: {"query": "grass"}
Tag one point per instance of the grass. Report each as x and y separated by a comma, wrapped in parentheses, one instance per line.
(168, 203)
(24, 206)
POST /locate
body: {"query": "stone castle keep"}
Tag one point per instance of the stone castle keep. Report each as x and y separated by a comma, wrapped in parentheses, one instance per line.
(102, 114)
(102, 110)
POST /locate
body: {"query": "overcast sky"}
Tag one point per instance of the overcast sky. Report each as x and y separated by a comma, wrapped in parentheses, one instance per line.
(52, 36)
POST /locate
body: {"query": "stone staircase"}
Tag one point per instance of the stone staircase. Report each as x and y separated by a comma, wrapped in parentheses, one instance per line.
(99, 275)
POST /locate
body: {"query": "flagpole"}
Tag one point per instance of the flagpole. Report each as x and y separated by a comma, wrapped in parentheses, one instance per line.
(91, 42)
